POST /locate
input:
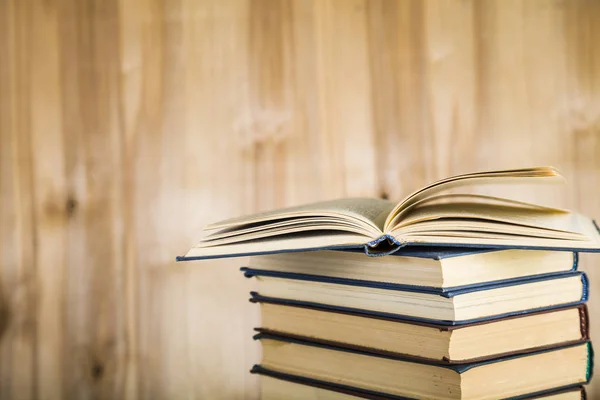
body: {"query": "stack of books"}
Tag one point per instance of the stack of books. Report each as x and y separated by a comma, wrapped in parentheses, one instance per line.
(428, 324)
(464, 296)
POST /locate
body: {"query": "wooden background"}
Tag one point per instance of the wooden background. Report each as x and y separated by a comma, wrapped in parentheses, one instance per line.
(125, 126)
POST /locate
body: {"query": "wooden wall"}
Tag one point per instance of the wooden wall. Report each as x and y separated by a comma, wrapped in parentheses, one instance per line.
(125, 126)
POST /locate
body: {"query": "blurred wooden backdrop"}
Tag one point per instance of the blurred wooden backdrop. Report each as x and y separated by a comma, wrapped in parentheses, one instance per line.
(127, 125)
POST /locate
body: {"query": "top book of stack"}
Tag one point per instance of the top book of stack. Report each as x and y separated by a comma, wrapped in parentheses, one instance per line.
(430, 217)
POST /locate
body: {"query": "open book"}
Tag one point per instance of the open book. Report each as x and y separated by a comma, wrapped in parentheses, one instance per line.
(430, 216)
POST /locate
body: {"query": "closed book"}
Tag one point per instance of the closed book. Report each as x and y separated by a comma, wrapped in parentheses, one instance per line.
(431, 267)
(283, 386)
(441, 306)
(433, 343)
(510, 377)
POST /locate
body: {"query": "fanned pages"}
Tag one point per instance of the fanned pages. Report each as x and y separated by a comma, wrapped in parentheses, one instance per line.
(430, 216)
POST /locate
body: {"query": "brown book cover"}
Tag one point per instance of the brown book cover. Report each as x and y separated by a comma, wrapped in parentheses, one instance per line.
(583, 318)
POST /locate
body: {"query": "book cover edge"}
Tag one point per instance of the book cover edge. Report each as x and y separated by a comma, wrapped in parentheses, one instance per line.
(258, 297)
(370, 394)
(460, 369)
(444, 292)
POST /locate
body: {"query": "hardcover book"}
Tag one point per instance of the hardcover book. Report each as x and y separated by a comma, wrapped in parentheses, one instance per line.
(431, 216)
(434, 343)
(439, 306)
(511, 377)
(282, 386)
(427, 267)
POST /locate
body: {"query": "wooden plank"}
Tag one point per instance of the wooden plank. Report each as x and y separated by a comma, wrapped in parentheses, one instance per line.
(184, 99)
(141, 102)
(581, 115)
(18, 283)
(130, 15)
(50, 198)
(423, 71)
(96, 291)
(219, 91)
(344, 108)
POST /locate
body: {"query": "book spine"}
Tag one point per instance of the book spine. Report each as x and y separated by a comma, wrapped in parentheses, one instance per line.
(585, 288)
(584, 322)
(383, 246)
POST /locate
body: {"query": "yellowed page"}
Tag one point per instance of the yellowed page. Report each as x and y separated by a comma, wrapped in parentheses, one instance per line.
(371, 212)
(292, 223)
(458, 226)
(451, 198)
(308, 241)
(297, 229)
(518, 176)
(467, 239)
(343, 222)
(475, 212)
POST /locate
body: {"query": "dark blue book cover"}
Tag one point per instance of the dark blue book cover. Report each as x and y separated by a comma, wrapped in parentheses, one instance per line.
(447, 293)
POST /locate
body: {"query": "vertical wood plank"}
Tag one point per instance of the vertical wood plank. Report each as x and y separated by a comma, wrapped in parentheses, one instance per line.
(141, 100)
(520, 76)
(422, 57)
(50, 199)
(131, 55)
(582, 128)
(450, 89)
(219, 87)
(18, 282)
(97, 287)
(396, 93)
(344, 108)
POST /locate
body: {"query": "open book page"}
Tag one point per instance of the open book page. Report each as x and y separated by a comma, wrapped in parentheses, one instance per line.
(478, 199)
(519, 176)
(579, 224)
(473, 213)
(364, 209)
(296, 229)
(314, 240)
(360, 216)
(459, 226)
(282, 225)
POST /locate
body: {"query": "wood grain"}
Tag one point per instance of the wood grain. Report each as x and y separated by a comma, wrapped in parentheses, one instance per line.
(125, 126)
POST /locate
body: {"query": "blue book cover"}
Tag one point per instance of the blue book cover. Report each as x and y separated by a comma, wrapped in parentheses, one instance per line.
(446, 293)
(434, 254)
